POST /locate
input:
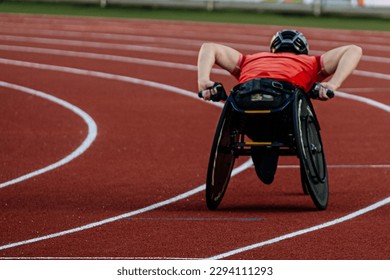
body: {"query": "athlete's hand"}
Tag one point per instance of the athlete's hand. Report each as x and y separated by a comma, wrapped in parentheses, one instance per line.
(204, 89)
(324, 93)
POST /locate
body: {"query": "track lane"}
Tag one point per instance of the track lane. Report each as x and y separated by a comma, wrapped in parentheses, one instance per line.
(280, 199)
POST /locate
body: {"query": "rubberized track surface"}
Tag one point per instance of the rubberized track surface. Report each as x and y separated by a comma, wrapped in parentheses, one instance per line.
(104, 148)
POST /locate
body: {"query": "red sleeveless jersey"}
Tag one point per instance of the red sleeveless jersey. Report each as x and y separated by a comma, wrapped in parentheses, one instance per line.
(301, 70)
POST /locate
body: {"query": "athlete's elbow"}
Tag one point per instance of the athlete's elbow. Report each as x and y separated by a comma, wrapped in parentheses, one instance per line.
(207, 47)
(356, 50)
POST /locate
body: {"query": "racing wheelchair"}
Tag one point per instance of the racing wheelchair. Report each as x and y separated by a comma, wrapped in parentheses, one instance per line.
(265, 117)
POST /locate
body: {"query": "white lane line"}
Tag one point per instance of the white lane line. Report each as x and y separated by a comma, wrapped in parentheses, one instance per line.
(263, 37)
(123, 216)
(196, 30)
(303, 231)
(114, 77)
(342, 166)
(372, 74)
(365, 100)
(103, 75)
(109, 57)
(163, 203)
(355, 214)
(253, 42)
(369, 90)
(377, 59)
(143, 61)
(360, 166)
(92, 132)
(100, 45)
(130, 38)
(156, 49)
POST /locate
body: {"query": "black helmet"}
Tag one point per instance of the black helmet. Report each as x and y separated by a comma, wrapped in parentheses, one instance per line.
(289, 41)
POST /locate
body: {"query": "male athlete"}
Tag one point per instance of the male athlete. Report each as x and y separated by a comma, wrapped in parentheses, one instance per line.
(288, 61)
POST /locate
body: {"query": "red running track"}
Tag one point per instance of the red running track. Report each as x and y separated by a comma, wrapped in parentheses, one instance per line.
(104, 148)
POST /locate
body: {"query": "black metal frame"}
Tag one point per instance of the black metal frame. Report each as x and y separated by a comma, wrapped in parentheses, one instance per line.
(288, 137)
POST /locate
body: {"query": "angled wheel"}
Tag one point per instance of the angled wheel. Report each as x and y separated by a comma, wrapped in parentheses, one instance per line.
(303, 180)
(221, 158)
(311, 152)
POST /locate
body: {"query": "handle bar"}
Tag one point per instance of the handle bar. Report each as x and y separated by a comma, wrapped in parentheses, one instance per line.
(315, 92)
(219, 92)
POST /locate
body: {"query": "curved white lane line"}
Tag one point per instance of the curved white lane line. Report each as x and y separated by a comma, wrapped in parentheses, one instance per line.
(355, 214)
(92, 132)
(123, 216)
(366, 100)
(113, 77)
(144, 61)
(100, 45)
(181, 66)
(105, 76)
(109, 57)
(259, 42)
(174, 199)
(302, 231)
(343, 166)
(365, 90)
(372, 74)
(197, 31)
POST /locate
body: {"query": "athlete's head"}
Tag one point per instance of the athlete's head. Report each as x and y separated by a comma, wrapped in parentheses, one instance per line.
(289, 41)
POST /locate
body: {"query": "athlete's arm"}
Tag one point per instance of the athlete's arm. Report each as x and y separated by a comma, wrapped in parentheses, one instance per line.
(340, 62)
(210, 54)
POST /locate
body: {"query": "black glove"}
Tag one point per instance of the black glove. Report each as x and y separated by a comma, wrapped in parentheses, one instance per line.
(220, 93)
(314, 93)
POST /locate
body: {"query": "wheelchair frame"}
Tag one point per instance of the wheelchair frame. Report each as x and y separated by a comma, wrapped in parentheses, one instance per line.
(299, 136)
